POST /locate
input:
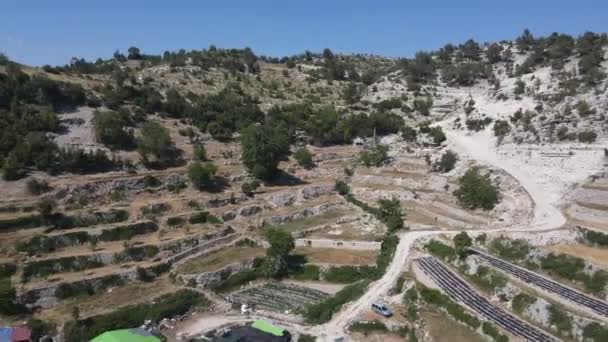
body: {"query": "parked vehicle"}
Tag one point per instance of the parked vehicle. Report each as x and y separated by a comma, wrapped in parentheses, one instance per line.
(381, 309)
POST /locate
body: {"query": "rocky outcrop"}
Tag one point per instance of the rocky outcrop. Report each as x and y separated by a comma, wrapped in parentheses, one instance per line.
(207, 279)
(287, 198)
(303, 213)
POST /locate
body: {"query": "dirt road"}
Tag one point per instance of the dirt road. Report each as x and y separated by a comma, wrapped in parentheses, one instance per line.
(546, 217)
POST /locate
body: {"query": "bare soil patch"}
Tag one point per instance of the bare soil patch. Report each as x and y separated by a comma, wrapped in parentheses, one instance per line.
(443, 329)
(337, 256)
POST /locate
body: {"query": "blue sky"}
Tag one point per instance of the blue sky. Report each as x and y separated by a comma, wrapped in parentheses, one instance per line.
(41, 32)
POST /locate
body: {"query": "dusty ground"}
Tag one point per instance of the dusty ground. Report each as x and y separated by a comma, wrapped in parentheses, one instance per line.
(442, 328)
(112, 298)
(336, 256)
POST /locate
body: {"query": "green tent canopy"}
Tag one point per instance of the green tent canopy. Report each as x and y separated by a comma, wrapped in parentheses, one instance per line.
(267, 327)
(126, 335)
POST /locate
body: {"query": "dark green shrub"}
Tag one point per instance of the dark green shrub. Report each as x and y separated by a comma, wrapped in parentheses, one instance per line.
(587, 136)
(169, 305)
(203, 217)
(175, 221)
(476, 191)
(447, 162)
(595, 332)
(375, 156)
(200, 153)
(110, 129)
(307, 272)
(520, 87)
(249, 188)
(561, 320)
(501, 128)
(126, 232)
(22, 222)
(408, 133)
(512, 250)
(368, 327)
(202, 176)
(521, 302)
(304, 158)
(441, 250)
(263, 147)
(477, 124)
(41, 268)
(37, 186)
(322, 312)
(594, 237)
(342, 188)
(347, 274)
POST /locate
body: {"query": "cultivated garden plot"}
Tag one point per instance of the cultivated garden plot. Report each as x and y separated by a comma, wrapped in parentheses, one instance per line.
(276, 296)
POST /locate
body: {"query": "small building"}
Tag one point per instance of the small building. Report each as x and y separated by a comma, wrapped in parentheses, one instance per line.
(15, 334)
(126, 335)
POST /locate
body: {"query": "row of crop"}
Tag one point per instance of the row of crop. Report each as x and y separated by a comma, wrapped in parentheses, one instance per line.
(279, 296)
(564, 266)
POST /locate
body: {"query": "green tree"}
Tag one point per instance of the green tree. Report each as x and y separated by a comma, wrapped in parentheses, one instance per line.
(13, 168)
(447, 162)
(110, 130)
(46, 207)
(462, 241)
(374, 156)
(202, 175)
(351, 93)
(249, 188)
(199, 152)
(155, 141)
(304, 158)
(281, 244)
(391, 214)
(37, 186)
(476, 190)
(587, 136)
(7, 297)
(134, 53)
(263, 147)
(409, 133)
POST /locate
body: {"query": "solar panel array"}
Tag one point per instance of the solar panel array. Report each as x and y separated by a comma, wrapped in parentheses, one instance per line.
(460, 291)
(596, 305)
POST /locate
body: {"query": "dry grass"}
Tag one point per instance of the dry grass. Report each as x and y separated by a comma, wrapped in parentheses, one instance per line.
(109, 300)
(309, 222)
(443, 329)
(593, 254)
(590, 205)
(219, 259)
(337, 256)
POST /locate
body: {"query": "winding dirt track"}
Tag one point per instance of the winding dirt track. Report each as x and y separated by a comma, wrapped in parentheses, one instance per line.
(546, 217)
